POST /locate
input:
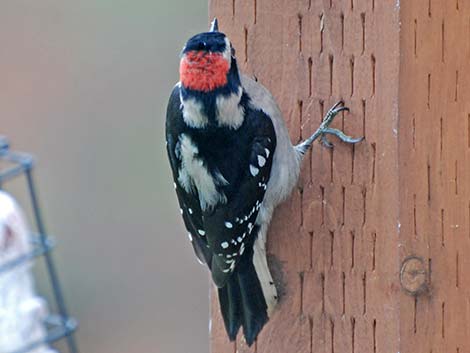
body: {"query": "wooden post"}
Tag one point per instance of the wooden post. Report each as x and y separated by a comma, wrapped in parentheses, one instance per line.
(372, 249)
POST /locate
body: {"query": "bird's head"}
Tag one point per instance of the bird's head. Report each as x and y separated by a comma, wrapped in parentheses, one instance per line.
(206, 61)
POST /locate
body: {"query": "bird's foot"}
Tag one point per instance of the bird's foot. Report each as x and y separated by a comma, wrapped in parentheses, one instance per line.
(325, 128)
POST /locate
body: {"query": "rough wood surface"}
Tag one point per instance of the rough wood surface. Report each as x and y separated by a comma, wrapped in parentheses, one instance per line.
(359, 212)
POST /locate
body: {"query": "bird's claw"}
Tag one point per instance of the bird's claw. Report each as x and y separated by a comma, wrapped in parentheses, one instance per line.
(325, 126)
(325, 142)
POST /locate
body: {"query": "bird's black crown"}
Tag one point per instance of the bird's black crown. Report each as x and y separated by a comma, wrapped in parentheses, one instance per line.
(207, 41)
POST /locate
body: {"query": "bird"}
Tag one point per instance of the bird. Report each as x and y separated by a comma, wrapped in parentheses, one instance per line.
(232, 163)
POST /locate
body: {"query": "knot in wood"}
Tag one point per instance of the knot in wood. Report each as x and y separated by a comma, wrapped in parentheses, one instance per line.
(413, 275)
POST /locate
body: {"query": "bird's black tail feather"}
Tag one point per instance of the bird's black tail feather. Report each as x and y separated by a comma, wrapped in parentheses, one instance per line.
(242, 302)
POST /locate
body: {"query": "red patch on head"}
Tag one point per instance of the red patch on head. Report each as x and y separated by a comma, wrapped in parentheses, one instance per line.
(203, 71)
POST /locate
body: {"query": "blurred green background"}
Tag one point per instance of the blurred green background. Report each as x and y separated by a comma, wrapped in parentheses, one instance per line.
(83, 86)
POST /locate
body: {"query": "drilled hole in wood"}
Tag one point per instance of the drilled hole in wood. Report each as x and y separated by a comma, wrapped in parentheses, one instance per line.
(322, 278)
(414, 215)
(457, 271)
(321, 103)
(332, 329)
(429, 182)
(353, 159)
(415, 41)
(332, 247)
(442, 227)
(413, 131)
(310, 67)
(364, 118)
(443, 311)
(429, 8)
(352, 4)
(311, 249)
(456, 86)
(429, 92)
(351, 67)
(364, 293)
(233, 8)
(343, 283)
(457, 5)
(363, 23)
(255, 11)
(310, 323)
(373, 62)
(322, 24)
(364, 204)
(415, 326)
(331, 152)
(443, 42)
(374, 335)
(441, 139)
(456, 180)
(342, 30)
(374, 241)
(373, 5)
(331, 59)
(429, 270)
(245, 32)
(301, 284)
(353, 245)
(353, 334)
(374, 152)
(299, 23)
(322, 192)
(343, 206)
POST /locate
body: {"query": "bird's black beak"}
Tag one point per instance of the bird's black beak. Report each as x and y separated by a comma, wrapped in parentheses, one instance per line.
(214, 25)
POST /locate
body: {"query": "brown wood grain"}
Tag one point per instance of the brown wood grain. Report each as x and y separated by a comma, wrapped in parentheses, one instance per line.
(358, 212)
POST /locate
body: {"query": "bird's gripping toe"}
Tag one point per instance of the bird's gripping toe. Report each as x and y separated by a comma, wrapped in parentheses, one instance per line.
(324, 129)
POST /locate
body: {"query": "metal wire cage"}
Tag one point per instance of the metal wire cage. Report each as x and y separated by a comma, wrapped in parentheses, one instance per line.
(59, 325)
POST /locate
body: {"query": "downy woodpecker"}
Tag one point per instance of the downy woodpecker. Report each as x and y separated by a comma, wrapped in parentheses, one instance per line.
(232, 163)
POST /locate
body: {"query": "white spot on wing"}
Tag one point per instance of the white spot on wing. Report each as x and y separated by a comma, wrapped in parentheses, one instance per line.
(190, 237)
(201, 232)
(224, 245)
(267, 152)
(228, 225)
(190, 210)
(261, 161)
(253, 170)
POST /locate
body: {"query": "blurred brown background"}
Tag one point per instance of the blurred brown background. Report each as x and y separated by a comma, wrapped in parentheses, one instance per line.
(83, 86)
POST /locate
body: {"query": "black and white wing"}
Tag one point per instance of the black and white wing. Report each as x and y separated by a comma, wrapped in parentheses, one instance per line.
(189, 202)
(231, 227)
